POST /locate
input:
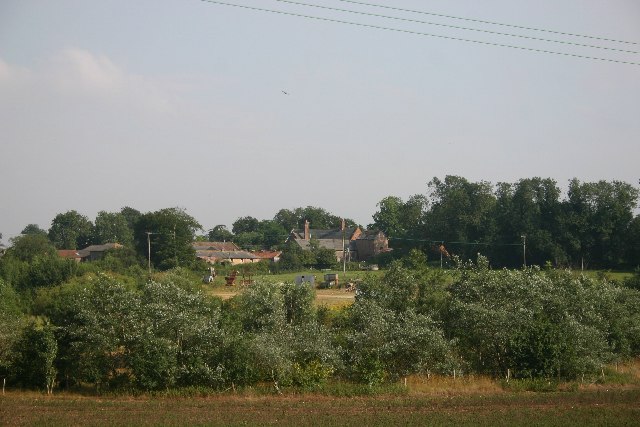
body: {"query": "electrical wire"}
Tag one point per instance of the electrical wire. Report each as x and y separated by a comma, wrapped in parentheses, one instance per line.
(318, 18)
(487, 22)
(455, 26)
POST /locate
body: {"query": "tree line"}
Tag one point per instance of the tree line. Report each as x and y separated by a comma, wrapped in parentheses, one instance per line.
(593, 225)
(112, 333)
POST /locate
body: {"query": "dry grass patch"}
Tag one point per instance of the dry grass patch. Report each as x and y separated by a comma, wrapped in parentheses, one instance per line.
(437, 385)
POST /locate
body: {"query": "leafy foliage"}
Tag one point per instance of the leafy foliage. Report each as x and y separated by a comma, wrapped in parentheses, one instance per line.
(71, 230)
(35, 353)
(172, 232)
(533, 323)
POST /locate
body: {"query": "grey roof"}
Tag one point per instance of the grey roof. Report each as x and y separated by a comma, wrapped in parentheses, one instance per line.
(204, 253)
(98, 248)
(215, 246)
(326, 234)
(333, 244)
(369, 235)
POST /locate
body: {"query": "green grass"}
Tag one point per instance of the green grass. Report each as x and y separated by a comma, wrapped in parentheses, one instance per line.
(618, 276)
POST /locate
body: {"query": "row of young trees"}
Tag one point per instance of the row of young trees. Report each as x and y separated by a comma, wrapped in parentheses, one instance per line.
(593, 225)
(150, 335)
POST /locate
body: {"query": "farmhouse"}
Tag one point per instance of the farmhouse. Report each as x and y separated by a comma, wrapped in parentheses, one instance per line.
(350, 243)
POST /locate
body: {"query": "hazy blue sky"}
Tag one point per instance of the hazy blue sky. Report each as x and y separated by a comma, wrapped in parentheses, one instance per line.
(154, 104)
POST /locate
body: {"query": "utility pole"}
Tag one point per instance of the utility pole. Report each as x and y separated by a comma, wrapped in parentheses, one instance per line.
(524, 249)
(344, 252)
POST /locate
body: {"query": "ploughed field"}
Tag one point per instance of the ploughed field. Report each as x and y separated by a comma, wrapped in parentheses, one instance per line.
(593, 406)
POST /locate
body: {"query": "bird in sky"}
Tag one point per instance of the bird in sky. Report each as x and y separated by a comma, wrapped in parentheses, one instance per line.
(286, 93)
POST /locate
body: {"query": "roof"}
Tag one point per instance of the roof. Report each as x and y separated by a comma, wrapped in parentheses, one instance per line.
(98, 248)
(215, 246)
(370, 235)
(333, 244)
(205, 253)
(69, 253)
(326, 234)
(267, 254)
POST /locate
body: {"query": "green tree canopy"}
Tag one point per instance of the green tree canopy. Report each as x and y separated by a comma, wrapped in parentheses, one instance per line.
(33, 229)
(598, 217)
(112, 227)
(220, 233)
(30, 246)
(172, 232)
(461, 213)
(70, 230)
(318, 217)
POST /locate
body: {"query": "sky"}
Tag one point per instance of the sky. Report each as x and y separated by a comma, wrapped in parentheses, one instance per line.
(228, 112)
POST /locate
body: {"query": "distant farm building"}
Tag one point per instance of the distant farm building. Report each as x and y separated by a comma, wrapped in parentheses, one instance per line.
(350, 243)
(90, 253)
(223, 252)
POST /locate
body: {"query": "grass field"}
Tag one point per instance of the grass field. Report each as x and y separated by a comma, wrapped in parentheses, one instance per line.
(334, 297)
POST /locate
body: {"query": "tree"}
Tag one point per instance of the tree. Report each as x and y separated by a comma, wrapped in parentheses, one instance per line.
(220, 233)
(71, 230)
(633, 243)
(11, 323)
(401, 221)
(131, 215)
(318, 217)
(531, 322)
(32, 262)
(273, 234)
(33, 229)
(461, 213)
(246, 224)
(36, 351)
(288, 219)
(30, 246)
(381, 344)
(172, 233)
(388, 218)
(598, 217)
(530, 208)
(112, 227)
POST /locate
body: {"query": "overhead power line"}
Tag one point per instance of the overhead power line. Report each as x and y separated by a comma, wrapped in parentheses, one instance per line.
(398, 30)
(487, 22)
(454, 26)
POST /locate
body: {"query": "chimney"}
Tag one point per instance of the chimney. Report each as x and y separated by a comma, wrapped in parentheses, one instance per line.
(306, 230)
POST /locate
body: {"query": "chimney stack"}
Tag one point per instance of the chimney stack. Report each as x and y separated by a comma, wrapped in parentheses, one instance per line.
(306, 230)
